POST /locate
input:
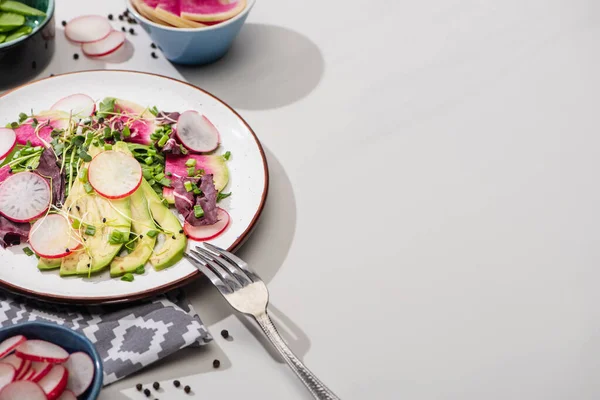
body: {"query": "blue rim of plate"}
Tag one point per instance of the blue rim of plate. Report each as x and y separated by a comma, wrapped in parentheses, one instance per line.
(146, 294)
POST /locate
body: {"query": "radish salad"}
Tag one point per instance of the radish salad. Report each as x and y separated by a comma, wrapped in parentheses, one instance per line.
(110, 184)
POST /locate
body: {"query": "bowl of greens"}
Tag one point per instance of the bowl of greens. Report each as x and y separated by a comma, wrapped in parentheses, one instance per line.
(27, 35)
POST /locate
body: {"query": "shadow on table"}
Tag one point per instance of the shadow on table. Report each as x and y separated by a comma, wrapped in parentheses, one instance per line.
(267, 67)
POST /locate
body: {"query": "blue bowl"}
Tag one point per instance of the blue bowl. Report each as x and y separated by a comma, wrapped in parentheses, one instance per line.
(65, 338)
(193, 46)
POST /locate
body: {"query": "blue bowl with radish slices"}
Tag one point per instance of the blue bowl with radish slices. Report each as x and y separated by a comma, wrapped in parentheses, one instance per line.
(41, 360)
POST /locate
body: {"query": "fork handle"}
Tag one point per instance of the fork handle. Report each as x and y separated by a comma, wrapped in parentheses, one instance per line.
(312, 383)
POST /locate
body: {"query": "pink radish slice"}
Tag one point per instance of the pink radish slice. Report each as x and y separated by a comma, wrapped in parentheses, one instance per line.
(41, 370)
(77, 104)
(10, 344)
(114, 175)
(67, 395)
(7, 374)
(21, 390)
(24, 196)
(52, 237)
(196, 132)
(15, 361)
(8, 139)
(207, 232)
(23, 370)
(55, 382)
(40, 134)
(27, 376)
(88, 28)
(81, 372)
(40, 350)
(104, 47)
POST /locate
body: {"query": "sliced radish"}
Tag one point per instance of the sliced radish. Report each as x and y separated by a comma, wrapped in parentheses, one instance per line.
(27, 376)
(24, 369)
(21, 390)
(88, 28)
(67, 395)
(41, 369)
(24, 196)
(9, 344)
(8, 139)
(15, 361)
(196, 132)
(114, 175)
(52, 237)
(55, 382)
(79, 104)
(7, 374)
(207, 232)
(105, 46)
(81, 372)
(40, 350)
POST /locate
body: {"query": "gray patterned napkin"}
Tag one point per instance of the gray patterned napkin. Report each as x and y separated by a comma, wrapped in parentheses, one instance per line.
(127, 338)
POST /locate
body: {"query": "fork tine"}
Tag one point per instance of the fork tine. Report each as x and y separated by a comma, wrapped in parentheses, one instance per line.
(237, 272)
(219, 271)
(235, 260)
(221, 286)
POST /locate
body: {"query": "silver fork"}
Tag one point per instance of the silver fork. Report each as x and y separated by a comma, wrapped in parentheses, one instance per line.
(248, 294)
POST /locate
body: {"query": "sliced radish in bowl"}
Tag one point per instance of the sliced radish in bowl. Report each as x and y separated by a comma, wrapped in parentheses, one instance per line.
(8, 139)
(24, 196)
(7, 374)
(40, 350)
(88, 28)
(15, 361)
(114, 175)
(81, 372)
(9, 344)
(105, 46)
(21, 390)
(55, 382)
(23, 370)
(196, 132)
(41, 369)
(79, 104)
(67, 395)
(52, 237)
(207, 232)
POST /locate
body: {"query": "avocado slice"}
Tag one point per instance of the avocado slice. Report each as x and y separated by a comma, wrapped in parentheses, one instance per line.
(171, 250)
(141, 223)
(106, 216)
(45, 264)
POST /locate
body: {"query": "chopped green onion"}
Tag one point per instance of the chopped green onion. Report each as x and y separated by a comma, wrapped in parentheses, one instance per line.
(90, 230)
(148, 160)
(165, 182)
(190, 162)
(227, 155)
(140, 270)
(83, 174)
(152, 233)
(27, 251)
(222, 196)
(117, 237)
(128, 277)
(88, 188)
(158, 177)
(197, 192)
(163, 140)
(191, 171)
(147, 174)
(151, 182)
(188, 186)
(107, 146)
(126, 132)
(198, 212)
(151, 152)
(76, 224)
(153, 110)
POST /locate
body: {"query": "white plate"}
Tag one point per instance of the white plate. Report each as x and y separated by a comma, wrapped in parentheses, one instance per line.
(248, 181)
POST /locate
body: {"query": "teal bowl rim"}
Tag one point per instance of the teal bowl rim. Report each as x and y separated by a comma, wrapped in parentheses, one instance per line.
(96, 385)
(49, 14)
(246, 10)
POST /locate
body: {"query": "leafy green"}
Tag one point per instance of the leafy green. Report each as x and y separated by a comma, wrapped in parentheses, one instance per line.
(107, 107)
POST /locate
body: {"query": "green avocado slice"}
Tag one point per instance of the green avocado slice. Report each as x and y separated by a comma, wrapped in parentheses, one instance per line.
(45, 264)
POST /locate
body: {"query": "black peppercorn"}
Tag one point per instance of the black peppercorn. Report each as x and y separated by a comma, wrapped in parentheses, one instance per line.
(120, 18)
(123, 29)
(101, 120)
(156, 385)
(225, 333)
(131, 31)
(103, 220)
(181, 231)
(176, 383)
(154, 55)
(153, 45)
(110, 16)
(75, 56)
(147, 392)
(139, 387)
(67, 250)
(216, 363)
(173, 237)
(64, 23)
(187, 389)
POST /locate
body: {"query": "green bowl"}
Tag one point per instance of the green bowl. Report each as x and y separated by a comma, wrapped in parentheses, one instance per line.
(23, 58)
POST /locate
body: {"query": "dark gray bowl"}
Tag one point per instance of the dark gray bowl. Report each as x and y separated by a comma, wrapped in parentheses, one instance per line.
(24, 58)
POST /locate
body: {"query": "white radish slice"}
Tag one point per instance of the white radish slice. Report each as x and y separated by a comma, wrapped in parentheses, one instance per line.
(40, 350)
(52, 237)
(21, 390)
(10, 343)
(88, 28)
(55, 382)
(207, 232)
(7, 374)
(196, 132)
(114, 175)
(8, 139)
(29, 375)
(105, 46)
(80, 105)
(81, 372)
(23, 370)
(67, 395)
(15, 361)
(41, 370)
(24, 196)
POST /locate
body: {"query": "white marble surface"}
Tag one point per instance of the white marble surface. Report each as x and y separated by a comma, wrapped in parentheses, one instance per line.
(432, 227)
